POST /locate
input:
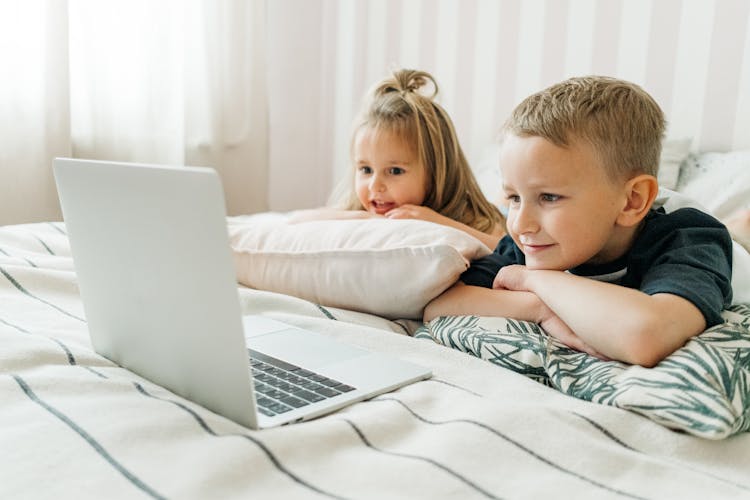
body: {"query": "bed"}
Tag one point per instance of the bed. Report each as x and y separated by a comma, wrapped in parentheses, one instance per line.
(499, 418)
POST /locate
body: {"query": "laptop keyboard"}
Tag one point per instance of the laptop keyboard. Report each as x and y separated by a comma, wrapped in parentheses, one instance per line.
(281, 387)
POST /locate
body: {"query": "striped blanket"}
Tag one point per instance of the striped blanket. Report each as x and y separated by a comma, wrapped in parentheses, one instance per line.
(73, 424)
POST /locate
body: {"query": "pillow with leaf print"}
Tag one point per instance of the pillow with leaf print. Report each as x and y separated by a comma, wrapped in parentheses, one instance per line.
(702, 388)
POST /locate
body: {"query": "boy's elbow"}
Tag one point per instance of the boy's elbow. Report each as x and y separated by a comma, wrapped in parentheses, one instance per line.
(427, 314)
(644, 356)
(652, 340)
(431, 310)
(644, 349)
(440, 305)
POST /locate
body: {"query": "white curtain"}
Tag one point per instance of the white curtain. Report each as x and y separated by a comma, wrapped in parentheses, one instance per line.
(34, 112)
(177, 82)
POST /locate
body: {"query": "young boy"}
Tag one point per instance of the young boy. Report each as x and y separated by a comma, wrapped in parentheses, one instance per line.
(586, 256)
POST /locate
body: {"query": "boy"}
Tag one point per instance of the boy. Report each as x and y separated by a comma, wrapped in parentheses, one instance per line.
(586, 256)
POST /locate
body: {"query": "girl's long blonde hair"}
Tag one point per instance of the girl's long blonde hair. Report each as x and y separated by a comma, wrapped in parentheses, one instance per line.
(396, 105)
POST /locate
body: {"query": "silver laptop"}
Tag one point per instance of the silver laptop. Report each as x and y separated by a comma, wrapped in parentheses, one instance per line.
(156, 277)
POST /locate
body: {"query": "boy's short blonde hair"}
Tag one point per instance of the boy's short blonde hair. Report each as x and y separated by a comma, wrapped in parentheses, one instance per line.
(619, 119)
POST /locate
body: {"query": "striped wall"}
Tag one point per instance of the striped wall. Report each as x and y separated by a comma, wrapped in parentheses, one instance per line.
(693, 56)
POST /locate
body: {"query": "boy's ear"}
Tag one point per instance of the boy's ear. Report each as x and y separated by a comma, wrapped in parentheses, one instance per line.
(640, 192)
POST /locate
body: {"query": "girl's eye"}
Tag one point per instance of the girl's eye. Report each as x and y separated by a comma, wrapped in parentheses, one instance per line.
(513, 198)
(397, 170)
(549, 197)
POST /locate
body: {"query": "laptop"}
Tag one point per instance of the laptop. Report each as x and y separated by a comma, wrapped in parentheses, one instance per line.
(156, 277)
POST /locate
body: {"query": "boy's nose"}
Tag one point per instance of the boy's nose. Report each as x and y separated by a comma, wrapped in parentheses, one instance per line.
(524, 220)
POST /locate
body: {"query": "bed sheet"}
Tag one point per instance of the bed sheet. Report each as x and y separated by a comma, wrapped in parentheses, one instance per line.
(73, 424)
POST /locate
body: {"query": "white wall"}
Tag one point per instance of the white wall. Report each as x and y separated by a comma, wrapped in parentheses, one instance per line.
(692, 55)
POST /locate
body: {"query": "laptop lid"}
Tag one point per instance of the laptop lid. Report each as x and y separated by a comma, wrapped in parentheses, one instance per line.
(157, 282)
(156, 279)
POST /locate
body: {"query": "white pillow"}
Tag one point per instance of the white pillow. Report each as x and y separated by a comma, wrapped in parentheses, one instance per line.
(719, 181)
(391, 268)
(673, 153)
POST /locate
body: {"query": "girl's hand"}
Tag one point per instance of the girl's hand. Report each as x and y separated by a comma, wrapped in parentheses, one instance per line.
(416, 212)
(419, 212)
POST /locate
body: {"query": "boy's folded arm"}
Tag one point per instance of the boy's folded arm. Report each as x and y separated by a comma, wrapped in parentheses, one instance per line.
(462, 299)
(621, 323)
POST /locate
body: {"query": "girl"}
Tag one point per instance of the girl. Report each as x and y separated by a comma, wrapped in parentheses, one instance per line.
(408, 165)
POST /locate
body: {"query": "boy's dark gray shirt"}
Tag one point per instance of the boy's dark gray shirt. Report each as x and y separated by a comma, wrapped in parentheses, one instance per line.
(686, 253)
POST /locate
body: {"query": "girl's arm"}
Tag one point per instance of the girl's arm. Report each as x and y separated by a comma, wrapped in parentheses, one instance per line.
(327, 214)
(490, 239)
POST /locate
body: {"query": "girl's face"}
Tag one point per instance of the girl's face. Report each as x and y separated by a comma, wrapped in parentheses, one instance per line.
(389, 174)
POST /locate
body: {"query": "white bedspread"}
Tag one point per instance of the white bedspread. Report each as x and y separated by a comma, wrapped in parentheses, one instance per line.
(76, 426)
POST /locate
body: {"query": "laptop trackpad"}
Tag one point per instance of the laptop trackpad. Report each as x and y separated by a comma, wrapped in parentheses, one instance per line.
(304, 348)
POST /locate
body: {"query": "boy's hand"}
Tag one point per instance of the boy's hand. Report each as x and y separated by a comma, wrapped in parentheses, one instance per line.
(513, 278)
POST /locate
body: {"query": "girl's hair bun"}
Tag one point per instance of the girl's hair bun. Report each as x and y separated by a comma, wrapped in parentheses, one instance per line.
(407, 81)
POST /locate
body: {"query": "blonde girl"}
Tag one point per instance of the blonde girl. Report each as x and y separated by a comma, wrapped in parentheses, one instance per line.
(408, 164)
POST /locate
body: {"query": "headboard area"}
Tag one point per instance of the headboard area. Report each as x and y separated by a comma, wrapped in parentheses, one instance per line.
(693, 56)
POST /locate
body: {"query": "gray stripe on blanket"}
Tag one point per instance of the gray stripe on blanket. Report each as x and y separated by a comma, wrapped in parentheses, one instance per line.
(681, 465)
(57, 228)
(274, 460)
(68, 354)
(510, 441)
(135, 481)
(451, 384)
(430, 461)
(326, 312)
(46, 247)
(23, 290)
(24, 258)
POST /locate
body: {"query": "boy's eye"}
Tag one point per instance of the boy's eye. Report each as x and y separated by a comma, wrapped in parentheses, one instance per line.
(397, 170)
(549, 197)
(364, 169)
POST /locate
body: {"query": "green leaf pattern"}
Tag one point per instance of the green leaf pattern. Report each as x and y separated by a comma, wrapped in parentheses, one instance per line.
(515, 345)
(703, 388)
